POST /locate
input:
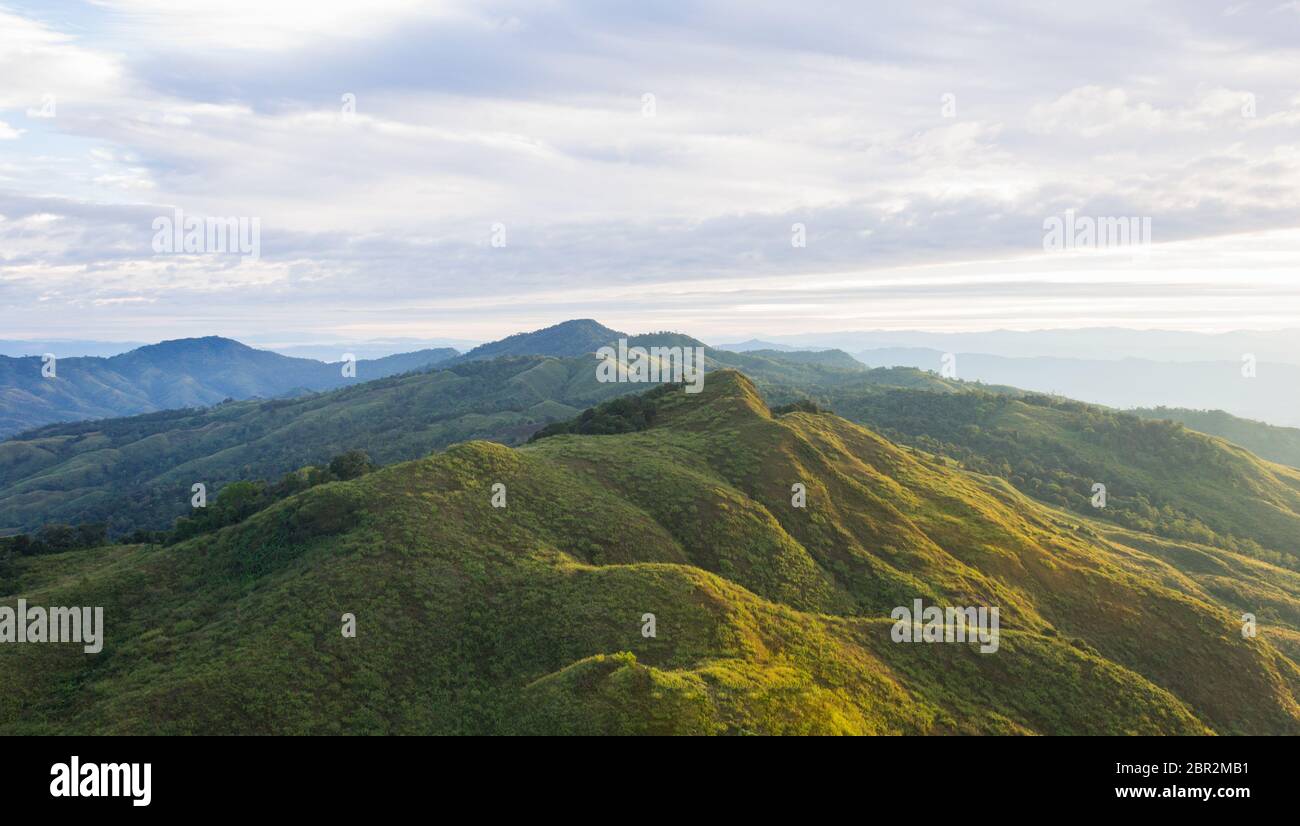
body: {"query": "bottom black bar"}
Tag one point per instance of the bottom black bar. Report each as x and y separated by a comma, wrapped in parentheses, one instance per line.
(142, 777)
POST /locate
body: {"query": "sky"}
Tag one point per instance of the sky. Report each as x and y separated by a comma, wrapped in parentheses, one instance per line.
(446, 169)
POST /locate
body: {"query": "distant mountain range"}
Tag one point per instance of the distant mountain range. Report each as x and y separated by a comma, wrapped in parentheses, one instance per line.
(1093, 344)
(133, 472)
(173, 374)
(1094, 365)
(366, 349)
(1272, 394)
(326, 351)
(756, 344)
(65, 348)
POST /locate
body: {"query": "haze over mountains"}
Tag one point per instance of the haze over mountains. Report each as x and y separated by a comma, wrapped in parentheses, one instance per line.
(65, 348)
(365, 349)
(1111, 366)
(1271, 394)
(1091, 343)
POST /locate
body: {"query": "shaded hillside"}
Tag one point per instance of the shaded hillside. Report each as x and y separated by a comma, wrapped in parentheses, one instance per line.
(137, 472)
(769, 618)
(174, 374)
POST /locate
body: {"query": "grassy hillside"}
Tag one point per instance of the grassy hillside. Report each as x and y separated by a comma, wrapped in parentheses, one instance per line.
(1277, 444)
(769, 618)
(1160, 477)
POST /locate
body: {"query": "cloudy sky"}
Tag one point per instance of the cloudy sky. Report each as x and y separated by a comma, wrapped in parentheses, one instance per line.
(447, 169)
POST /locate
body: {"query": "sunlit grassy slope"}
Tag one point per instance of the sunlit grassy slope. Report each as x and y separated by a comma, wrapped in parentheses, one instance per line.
(1160, 477)
(769, 618)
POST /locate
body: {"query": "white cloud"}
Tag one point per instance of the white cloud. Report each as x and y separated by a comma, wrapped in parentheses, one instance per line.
(531, 116)
(39, 63)
(1091, 111)
(257, 25)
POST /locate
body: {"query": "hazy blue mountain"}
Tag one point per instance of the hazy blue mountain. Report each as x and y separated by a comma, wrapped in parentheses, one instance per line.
(65, 348)
(583, 336)
(756, 344)
(1272, 395)
(922, 358)
(367, 349)
(1094, 344)
(570, 338)
(172, 374)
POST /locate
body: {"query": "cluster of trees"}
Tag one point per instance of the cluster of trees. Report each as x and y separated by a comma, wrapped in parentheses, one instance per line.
(799, 406)
(625, 414)
(239, 500)
(55, 538)
(236, 502)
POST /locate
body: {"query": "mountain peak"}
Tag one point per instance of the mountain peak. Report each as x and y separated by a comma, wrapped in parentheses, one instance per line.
(575, 337)
(732, 395)
(581, 324)
(196, 344)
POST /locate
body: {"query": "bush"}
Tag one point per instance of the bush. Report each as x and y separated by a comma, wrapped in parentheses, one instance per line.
(56, 538)
(351, 465)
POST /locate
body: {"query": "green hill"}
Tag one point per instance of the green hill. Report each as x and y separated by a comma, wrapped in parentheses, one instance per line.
(769, 618)
(1277, 444)
(1160, 477)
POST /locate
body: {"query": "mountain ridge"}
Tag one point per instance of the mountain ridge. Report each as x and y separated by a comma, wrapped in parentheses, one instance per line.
(528, 618)
(171, 374)
(133, 472)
